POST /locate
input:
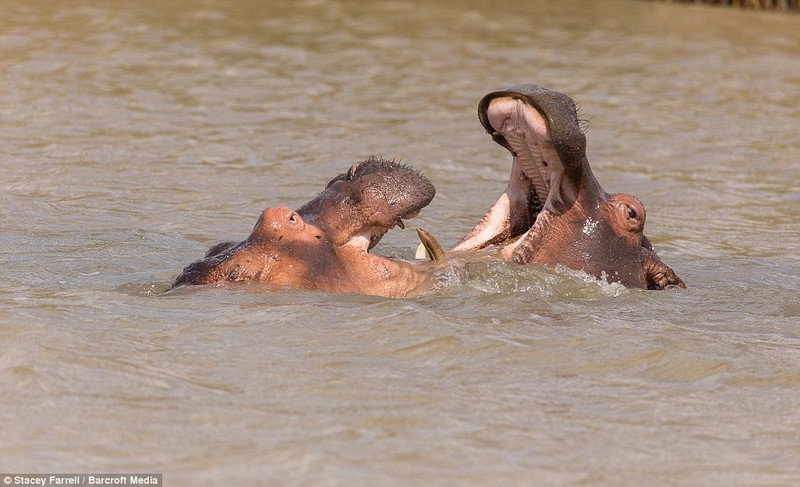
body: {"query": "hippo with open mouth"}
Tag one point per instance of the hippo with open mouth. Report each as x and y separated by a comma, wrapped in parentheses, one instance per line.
(554, 211)
(325, 244)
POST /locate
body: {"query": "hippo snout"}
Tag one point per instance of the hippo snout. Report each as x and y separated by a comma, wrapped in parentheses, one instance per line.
(396, 189)
(372, 197)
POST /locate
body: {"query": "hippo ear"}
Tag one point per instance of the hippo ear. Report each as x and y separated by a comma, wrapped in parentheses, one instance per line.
(340, 177)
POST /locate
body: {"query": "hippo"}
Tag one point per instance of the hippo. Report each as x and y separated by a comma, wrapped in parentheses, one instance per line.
(324, 245)
(553, 210)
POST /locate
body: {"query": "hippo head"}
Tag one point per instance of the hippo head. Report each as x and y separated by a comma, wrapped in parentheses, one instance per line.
(358, 207)
(324, 244)
(280, 241)
(554, 211)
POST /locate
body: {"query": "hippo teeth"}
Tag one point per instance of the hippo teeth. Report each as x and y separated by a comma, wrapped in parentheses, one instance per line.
(401, 224)
(430, 247)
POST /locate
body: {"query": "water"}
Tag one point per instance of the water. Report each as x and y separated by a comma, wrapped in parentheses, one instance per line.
(135, 135)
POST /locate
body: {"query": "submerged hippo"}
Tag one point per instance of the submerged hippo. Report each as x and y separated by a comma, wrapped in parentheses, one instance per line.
(553, 210)
(325, 244)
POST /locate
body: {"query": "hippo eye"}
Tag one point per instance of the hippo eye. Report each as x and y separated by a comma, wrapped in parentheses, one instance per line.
(632, 213)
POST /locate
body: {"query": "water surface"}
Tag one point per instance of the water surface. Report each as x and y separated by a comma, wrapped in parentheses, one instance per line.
(135, 135)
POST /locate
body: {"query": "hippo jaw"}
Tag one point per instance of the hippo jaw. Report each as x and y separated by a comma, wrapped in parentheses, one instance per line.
(540, 128)
(359, 207)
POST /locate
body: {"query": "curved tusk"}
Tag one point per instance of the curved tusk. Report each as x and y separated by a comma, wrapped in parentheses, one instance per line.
(433, 248)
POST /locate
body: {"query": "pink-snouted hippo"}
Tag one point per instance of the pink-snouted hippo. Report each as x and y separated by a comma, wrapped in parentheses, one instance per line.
(325, 244)
(553, 211)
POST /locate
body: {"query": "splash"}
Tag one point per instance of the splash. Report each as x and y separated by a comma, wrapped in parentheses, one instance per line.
(589, 226)
(601, 284)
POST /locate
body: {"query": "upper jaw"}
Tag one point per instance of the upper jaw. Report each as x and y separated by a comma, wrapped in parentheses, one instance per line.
(521, 128)
(369, 236)
(558, 112)
(540, 128)
(359, 207)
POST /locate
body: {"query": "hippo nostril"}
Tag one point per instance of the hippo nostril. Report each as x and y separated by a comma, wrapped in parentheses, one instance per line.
(234, 273)
(292, 219)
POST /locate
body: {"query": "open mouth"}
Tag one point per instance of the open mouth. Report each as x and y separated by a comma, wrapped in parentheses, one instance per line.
(377, 232)
(536, 168)
(379, 195)
(521, 122)
(526, 132)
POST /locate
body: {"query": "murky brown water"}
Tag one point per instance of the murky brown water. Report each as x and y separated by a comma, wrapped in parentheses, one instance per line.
(135, 134)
